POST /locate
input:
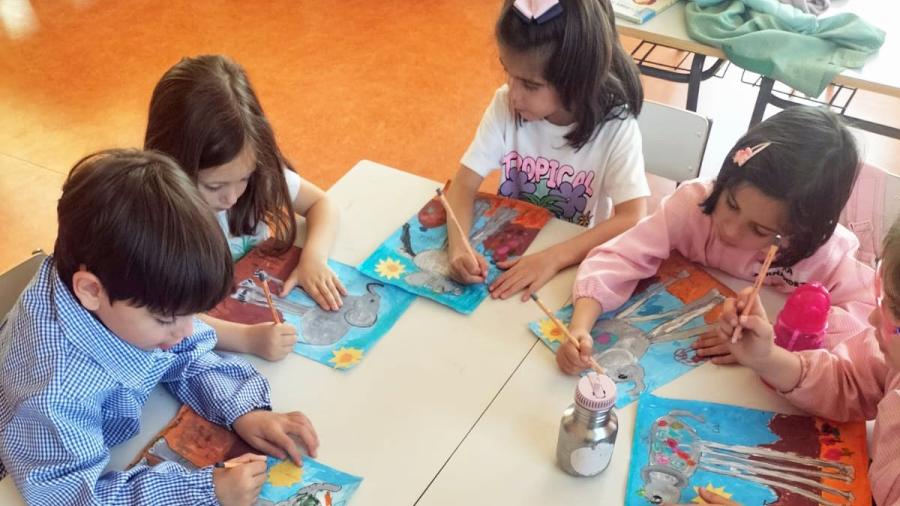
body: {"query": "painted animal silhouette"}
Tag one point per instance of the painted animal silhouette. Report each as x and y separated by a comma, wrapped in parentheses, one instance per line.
(677, 451)
(434, 264)
(622, 360)
(318, 326)
(316, 494)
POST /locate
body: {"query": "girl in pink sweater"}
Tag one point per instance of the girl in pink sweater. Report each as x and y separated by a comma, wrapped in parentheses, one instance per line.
(859, 380)
(790, 176)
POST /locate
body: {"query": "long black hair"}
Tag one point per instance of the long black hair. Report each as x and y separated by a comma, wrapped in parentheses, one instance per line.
(594, 76)
(810, 165)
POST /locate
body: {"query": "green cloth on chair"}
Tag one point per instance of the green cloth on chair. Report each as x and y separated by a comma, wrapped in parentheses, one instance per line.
(781, 42)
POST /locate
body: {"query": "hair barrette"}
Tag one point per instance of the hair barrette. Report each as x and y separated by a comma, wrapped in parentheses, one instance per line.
(742, 155)
(538, 11)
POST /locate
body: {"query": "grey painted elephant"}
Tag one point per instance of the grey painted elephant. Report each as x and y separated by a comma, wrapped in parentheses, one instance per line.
(323, 327)
(622, 360)
(434, 264)
(677, 452)
(310, 495)
(434, 267)
(318, 326)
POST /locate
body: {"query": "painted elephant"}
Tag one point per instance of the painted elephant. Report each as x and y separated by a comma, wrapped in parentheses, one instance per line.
(319, 326)
(622, 360)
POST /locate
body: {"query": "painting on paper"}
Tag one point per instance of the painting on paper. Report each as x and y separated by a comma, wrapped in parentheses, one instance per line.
(338, 339)
(414, 257)
(194, 442)
(646, 343)
(746, 455)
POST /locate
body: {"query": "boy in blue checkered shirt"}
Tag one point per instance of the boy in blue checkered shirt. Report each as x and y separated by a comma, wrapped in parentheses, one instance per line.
(107, 318)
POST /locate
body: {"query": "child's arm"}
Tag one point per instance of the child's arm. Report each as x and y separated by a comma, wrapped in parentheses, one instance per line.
(219, 388)
(230, 392)
(572, 359)
(461, 196)
(55, 450)
(533, 271)
(271, 341)
(312, 271)
(611, 271)
(846, 385)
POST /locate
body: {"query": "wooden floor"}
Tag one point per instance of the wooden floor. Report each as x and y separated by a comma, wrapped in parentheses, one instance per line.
(398, 82)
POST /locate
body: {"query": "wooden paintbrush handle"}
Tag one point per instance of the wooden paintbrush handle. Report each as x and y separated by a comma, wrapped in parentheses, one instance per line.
(265, 287)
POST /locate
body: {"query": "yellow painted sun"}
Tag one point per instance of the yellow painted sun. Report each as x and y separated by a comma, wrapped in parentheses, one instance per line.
(551, 331)
(389, 268)
(285, 474)
(718, 491)
(346, 358)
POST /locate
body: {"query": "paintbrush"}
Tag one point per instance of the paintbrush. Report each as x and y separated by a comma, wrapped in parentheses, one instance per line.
(451, 217)
(264, 280)
(594, 365)
(760, 277)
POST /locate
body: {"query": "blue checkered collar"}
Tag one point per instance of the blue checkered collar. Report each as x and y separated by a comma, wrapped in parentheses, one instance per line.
(78, 326)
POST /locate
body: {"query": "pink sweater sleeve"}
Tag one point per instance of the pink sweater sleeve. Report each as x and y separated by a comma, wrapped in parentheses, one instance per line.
(844, 384)
(884, 471)
(611, 271)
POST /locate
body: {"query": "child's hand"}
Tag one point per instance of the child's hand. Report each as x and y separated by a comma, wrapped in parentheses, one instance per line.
(272, 341)
(465, 269)
(530, 273)
(272, 433)
(757, 336)
(709, 497)
(240, 485)
(715, 347)
(319, 281)
(570, 359)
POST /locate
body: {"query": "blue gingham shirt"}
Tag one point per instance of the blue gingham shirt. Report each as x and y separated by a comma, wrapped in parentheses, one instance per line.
(70, 390)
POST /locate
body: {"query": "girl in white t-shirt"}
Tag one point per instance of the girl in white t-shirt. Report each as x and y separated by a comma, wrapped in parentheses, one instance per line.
(205, 114)
(563, 133)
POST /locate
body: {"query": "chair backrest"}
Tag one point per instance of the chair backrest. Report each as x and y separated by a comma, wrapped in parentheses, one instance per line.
(674, 140)
(873, 206)
(14, 281)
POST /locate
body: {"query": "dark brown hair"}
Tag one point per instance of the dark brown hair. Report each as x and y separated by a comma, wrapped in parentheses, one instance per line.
(202, 113)
(594, 76)
(811, 165)
(135, 220)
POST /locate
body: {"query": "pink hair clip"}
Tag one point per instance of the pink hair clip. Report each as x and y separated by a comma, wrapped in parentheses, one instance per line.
(538, 11)
(742, 155)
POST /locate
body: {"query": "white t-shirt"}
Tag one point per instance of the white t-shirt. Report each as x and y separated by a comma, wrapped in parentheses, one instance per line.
(539, 166)
(242, 244)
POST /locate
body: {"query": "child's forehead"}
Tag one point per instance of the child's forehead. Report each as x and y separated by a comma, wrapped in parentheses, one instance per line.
(240, 167)
(528, 64)
(767, 211)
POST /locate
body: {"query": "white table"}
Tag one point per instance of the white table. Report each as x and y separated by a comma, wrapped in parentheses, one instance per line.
(439, 381)
(510, 456)
(397, 417)
(880, 75)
